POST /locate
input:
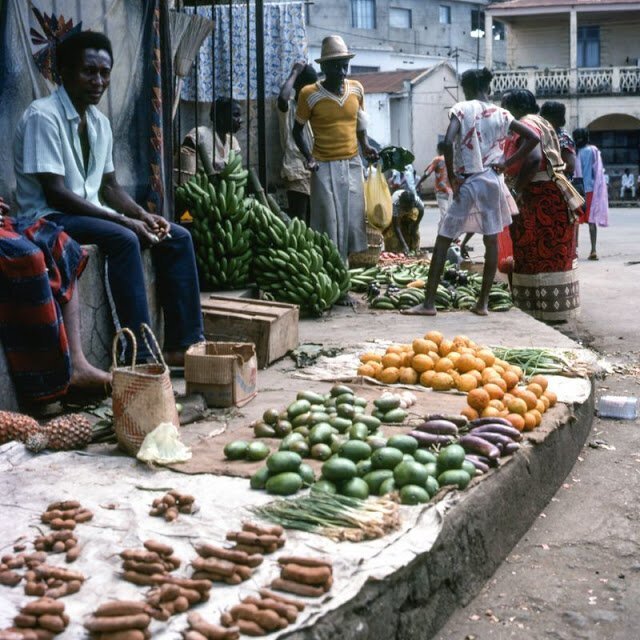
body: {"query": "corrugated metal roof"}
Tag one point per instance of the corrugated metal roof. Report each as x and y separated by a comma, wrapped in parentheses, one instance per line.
(387, 81)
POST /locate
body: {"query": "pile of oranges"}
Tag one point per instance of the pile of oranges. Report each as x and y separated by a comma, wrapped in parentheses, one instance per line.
(492, 385)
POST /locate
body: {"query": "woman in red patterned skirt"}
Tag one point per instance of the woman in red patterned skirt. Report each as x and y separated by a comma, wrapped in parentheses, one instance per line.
(545, 282)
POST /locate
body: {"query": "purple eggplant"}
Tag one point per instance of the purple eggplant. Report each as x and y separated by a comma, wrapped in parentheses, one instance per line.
(498, 439)
(479, 422)
(480, 466)
(510, 448)
(492, 462)
(430, 439)
(512, 432)
(439, 427)
(476, 444)
(459, 421)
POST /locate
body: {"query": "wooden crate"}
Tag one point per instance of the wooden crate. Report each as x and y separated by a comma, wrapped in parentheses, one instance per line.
(271, 326)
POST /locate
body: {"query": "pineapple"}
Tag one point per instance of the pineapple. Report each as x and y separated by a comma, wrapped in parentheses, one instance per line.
(73, 431)
(16, 426)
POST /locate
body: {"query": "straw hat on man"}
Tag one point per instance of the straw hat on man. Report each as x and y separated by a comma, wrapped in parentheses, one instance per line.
(334, 108)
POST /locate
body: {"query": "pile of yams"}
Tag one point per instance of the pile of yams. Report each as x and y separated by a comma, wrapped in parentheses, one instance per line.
(493, 386)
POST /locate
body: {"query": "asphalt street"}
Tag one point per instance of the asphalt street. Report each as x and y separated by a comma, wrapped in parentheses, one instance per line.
(576, 573)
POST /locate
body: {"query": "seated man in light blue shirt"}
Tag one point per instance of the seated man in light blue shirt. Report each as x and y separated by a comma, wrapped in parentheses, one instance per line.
(64, 171)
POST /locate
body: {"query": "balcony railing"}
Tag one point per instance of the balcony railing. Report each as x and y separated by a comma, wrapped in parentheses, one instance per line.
(593, 81)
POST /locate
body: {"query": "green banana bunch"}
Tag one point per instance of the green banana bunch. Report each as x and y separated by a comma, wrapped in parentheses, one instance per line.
(296, 264)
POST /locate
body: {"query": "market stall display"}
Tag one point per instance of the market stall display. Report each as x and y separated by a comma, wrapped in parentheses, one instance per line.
(145, 567)
(42, 618)
(303, 576)
(403, 286)
(172, 504)
(200, 629)
(120, 619)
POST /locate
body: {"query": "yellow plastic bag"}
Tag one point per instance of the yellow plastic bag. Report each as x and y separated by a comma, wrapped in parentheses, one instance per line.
(377, 197)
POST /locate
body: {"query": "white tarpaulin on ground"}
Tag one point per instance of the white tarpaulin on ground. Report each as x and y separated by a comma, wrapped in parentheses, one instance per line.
(119, 490)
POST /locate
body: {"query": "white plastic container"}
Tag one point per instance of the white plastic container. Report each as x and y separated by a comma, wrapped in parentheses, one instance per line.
(621, 407)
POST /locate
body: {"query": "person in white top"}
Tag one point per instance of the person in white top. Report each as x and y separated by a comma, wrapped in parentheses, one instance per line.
(475, 162)
(628, 182)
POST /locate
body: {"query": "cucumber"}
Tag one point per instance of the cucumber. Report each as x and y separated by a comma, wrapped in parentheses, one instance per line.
(282, 461)
(423, 456)
(320, 434)
(375, 478)
(300, 447)
(355, 488)
(346, 411)
(451, 457)
(301, 419)
(321, 451)
(284, 484)
(282, 428)
(386, 458)
(338, 468)
(257, 451)
(236, 450)
(324, 485)
(458, 477)
(287, 441)
(298, 408)
(355, 450)
(387, 486)
(307, 474)
(432, 469)
(310, 396)
(358, 431)
(387, 402)
(317, 417)
(413, 494)
(271, 416)
(263, 430)
(345, 398)
(364, 466)
(396, 416)
(406, 444)
(372, 423)
(469, 467)
(259, 478)
(341, 424)
(360, 401)
(432, 486)
(409, 473)
(339, 389)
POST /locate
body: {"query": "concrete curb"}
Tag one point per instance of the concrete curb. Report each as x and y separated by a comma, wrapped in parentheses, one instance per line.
(478, 534)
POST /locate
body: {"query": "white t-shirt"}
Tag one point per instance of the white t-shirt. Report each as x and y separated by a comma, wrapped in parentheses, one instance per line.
(483, 130)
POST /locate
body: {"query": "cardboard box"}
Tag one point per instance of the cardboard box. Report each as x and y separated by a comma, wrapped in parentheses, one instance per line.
(271, 326)
(225, 373)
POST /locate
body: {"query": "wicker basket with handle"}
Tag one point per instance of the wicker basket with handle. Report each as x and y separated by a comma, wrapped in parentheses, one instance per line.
(369, 257)
(142, 394)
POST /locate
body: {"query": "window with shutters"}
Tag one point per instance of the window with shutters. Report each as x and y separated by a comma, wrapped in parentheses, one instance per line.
(363, 14)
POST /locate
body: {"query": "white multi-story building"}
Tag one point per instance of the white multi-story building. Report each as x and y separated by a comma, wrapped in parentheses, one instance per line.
(388, 35)
(584, 53)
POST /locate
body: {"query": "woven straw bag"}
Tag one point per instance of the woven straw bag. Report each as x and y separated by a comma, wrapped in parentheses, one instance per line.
(142, 394)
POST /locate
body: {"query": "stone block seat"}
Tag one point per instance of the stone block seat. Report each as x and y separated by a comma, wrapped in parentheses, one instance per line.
(96, 319)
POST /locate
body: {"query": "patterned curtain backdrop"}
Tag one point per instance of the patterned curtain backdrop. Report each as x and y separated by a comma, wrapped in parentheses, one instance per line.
(138, 102)
(285, 42)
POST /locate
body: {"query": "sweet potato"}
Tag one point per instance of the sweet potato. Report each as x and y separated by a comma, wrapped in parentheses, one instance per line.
(191, 595)
(44, 634)
(120, 608)
(315, 576)
(158, 547)
(171, 514)
(226, 619)
(43, 606)
(269, 620)
(251, 549)
(64, 505)
(59, 523)
(73, 586)
(328, 584)
(192, 634)
(234, 579)
(221, 567)
(83, 515)
(140, 555)
(35, 589)
(274, 530)
(305, 562)
(283, 610)
(146, 568)
(117, 623)
(210, 631)
(141, 579)
(231, 555)
(72, 555)
(202, 586)
(10, 578)
(52, 622)
(25, 620)
(266, 593)
(250, 628)
(243, 572)
(69, 543)
(130, 634)
(295, 587)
